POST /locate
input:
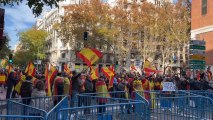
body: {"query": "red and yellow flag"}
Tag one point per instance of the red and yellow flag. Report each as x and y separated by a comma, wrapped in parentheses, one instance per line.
(109, 74)
(89, 55)
(2, 78)
(48, 88)
(66, 69)
(112, 68)
(30, 69)
(52, 73)
(94, 73)
(49, 76)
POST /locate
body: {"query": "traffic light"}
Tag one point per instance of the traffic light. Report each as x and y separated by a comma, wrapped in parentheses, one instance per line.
(85, 36)
(116, 64)
(10, 58)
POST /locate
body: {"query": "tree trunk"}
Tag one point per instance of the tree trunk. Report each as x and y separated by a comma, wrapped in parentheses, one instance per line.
(184, 54)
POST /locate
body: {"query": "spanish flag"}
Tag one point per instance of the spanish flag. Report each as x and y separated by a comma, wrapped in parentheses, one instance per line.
(109, 74)
(148, 67)
(52, 73)
(2, 78)
(48, 88)
(94, 73)
(89, 55)
(49, 76)
(66, 69)
(30, 69)
(18, 85)
(112, 68)
(9, 68)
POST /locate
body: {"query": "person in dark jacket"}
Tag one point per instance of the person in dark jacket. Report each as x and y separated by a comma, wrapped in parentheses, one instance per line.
(75, 86)
(11, 82)
(88, 89)
(26, 90)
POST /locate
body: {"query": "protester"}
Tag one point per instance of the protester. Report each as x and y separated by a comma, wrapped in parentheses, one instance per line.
(38, 95)
(75, 86)
(26, 90)
(11, 82)
(102, 92)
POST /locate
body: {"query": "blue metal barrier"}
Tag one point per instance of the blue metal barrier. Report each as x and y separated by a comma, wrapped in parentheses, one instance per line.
(96, 112)
(206, 93)
(52, 114)
(20, 117)
(180, 105)
(44, 103)
(15, 108)
(3, 107)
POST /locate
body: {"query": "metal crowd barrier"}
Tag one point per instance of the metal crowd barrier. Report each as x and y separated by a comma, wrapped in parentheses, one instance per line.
(45, 103)
(179, 105)
(20, 117)
(206, 93)
(105, 108)
(3, 107)
(40, 108)
(52, 114)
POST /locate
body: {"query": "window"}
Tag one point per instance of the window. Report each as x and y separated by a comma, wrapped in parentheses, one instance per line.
(63, 55)
(204, 7)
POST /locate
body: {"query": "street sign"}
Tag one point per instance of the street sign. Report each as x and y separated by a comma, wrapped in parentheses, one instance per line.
(201, 52)
(197, 62)
(198, 42)
(197, 47)
(197, 66)
(197, 57)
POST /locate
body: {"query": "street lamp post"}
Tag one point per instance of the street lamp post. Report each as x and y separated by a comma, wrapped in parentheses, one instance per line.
(113, 48)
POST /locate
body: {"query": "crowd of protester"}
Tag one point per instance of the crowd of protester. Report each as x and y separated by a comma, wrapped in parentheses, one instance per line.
(19, 84)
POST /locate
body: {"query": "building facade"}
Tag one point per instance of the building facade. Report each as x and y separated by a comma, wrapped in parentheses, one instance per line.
(58, 53)
(202, 25)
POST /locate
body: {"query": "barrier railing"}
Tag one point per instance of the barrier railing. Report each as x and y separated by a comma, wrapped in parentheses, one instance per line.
(3, 107)
(206, 93)
(52, 114)
(179, 105)
(102, 112)
(20, 117)
(44, 103)
(15, 110)
(113, 105)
